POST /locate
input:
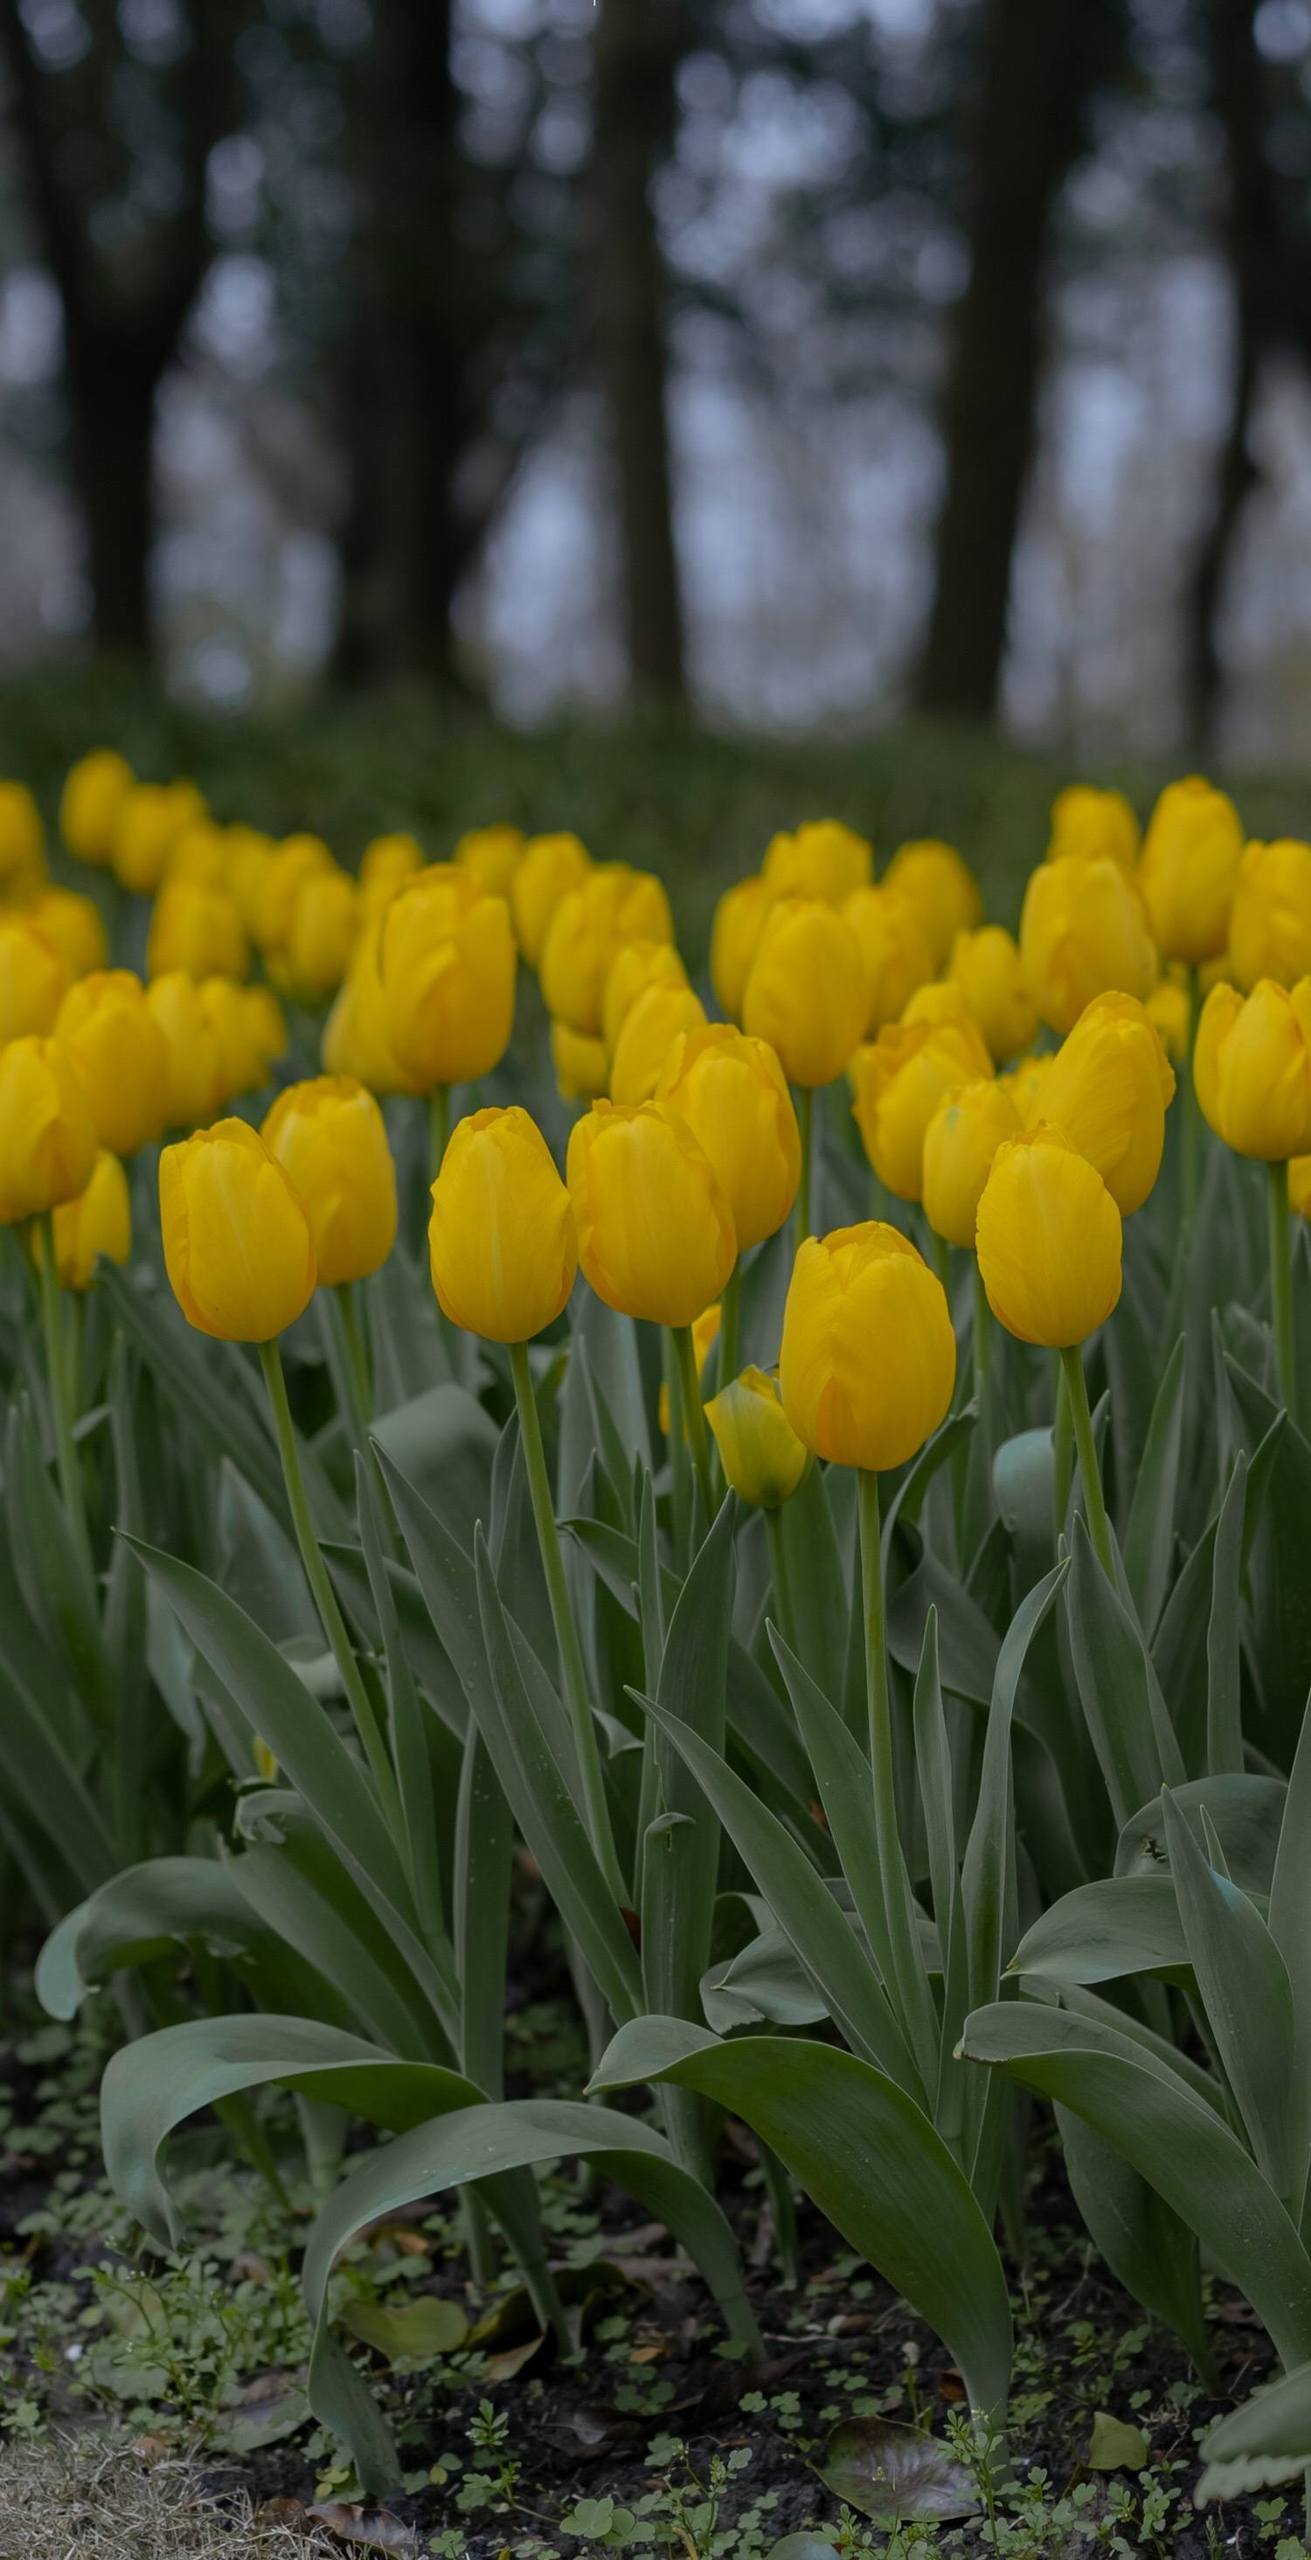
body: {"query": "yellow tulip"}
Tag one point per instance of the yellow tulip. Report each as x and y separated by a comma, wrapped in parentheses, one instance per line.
(491, 856)
(739, 921)
(278, 883)
(193, 1086)
(762, 1458)
(34, 978)
(1083, 930)
(22, 839)
(325, 921)
(1270, 926)
(249, 854)
(634, 968)
(733, 1094)
(501, 1243)
(943, 1004)
(329, 1138)
(822, 860)
(238, 1246)
(93, 794)
(1108, 1090)
(896, 948)
(1027, 1087)
(899, 1081)
(1093, 826)
(243, 1060)
(807, 993)
(655, 1231)
(550, 868)
(1169, 1008)
(1252, 1068)
(107, 1028)
(385, 865)
(446, 966)
(987, 968)
(356, 1039)
(959, 1145)
(265, 1022)
(941, 888)
(196, 929)
(1049, 1241)
(1189, 870)
(868, 1362)
(650, 1028)
(73, 926)
(202, 856)
(582, 1065)
(1299, 1185)
(47, 1134)
(98, 1222)
(148, 821)
(588, 928)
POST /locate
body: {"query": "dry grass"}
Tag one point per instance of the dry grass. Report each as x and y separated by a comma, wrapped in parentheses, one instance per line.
(73, 2500)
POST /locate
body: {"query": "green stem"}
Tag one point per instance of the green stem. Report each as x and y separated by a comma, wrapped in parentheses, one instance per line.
(356, 1359)
(62, 1392)
(573, 1671)
(439, 1124)
(785, 1619)
(940, 1256)
(901, 1946)
(806, 1186)
(730, 1326)
(325, 1598)
(1281, 1285)
(1090, 1473)
(1062, 1454)
(694, 1414)
(981, 1343)
(1191, 1116)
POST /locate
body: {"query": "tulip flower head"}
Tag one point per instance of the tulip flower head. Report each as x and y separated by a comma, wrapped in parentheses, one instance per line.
(22, 840)
(868, 1361)
(941, 888)
(501, 1243)
(1049, 1241)
(899, 1081)
(491, 856)
(148, 821)
(959, 1145)
(733, 1094)
(1189, 870)
(739, 921)
(635, 967)
(987, 967)
(582, 1064)
(93, 794)
(588, 928)
(1270, 924)
(655, 1231)
(1093, 826)
(897, 949)
(1252, 1068)
(238, 1244)
(329, 1137)
(807, 993)
(446, 966)
(47, 1133)
(550, 867)
(325, 921)
(1083, 931)
(74, 928)
(198, 929)
(650, 1028)
(111, 1035)
(34, 978)
(1108, 1090)
(96, 1226)
(822, 860)
(762, 1458)
(193, 1085)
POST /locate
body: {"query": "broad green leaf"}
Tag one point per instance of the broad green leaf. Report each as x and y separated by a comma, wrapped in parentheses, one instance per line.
(407, 2333)
(1149, 1534)
(444, 1444)
(1263, 2442)
(1122, 1703)
(869, 2159)
(1248, 2001)
(1116, 2445)
(484, 1852)
(1154, 2254)
(135, 1916)
(1290, 1925)
(1247, 1811)
(1100, 1932)
(887, 2471)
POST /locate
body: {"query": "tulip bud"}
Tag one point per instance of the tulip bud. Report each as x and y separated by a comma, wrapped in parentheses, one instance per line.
(243, 1062)
(193, 1086)
(93, 794)
(899, 1081)
(650, 1029)
(739, 921)
(551, 867)
(329, 1138)
(446, 966)
(1027, 1087)
(1189, 870)
(759, 1451)
(196, 929)
(589, 927)
(238, 1246)
(47, 1134)
(106, 1026)
(941, 888)
(501, 1243)
(278, 883)
(1093, 826)
(74, 928)
(98, 1222)
(850, 1292)
(248, 857)
(655, 1232)
(807, 994)
(987, 968)
(896, 948)
(959, 1145)
(582, 1065)
(732, 1092)
(1270, 924)
(1049, 1241)
(22, 840)
(491, 856)
(325, 921)
(1252, 1068)
(385, 865)
(1170, 1011)
(33, 978)
(356, 1036)
(148, 821)
(1108, 1091)
(823, 860)
(1083, 930)
(201, 857)
(636, 967)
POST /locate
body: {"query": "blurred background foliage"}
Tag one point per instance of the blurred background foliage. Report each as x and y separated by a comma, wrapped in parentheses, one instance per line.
(798, 364)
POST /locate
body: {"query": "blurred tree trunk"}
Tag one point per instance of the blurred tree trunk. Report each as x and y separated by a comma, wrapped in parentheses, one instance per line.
(123, 318)
(1033, 77)
(638, 46)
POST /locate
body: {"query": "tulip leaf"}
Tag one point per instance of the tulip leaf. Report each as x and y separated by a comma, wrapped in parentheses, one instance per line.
(764, 1984)
(1246, 1810)
(1248, 2000)
(1121, 1696)
(1145, 2244)
(1262, 2443)
(135, 1916)
(870, 2160)
(303, 1895)
(1101, 1932)
(1149, 1534)
(1180, 2146)
(477, 2143)
(411, 1756)
(444, 1444)
(54, 1797)
(1224, 1720)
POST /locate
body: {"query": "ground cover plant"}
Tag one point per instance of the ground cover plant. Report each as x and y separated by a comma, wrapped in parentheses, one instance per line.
(656, 1671)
